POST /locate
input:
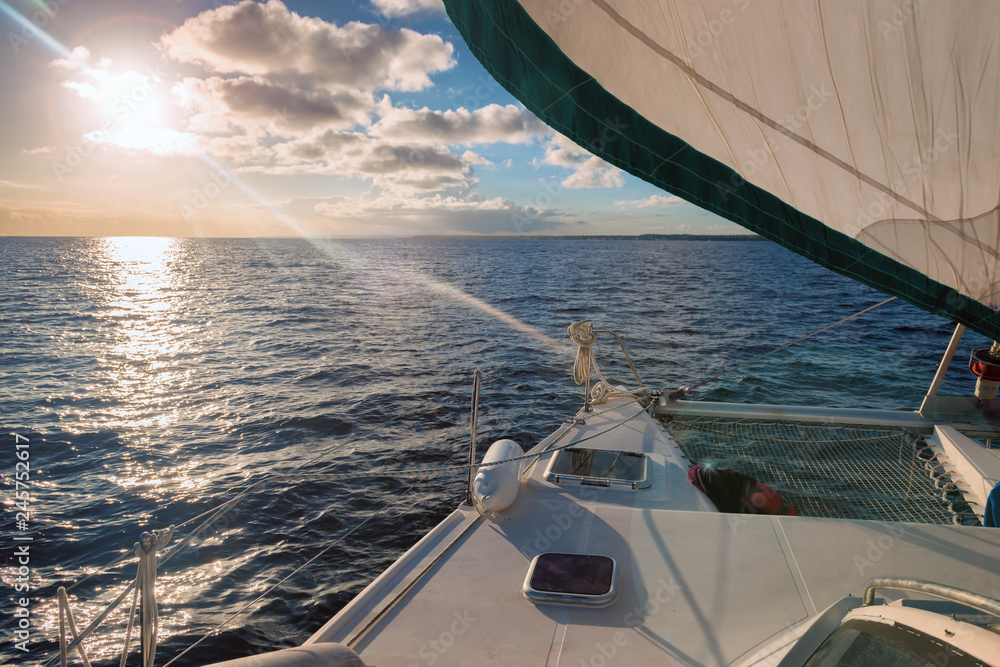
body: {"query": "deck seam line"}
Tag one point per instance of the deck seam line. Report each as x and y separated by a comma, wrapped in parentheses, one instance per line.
(793, 566)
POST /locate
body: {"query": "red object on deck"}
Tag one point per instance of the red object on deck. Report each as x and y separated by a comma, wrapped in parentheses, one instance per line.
(985, 371)
(769, 501)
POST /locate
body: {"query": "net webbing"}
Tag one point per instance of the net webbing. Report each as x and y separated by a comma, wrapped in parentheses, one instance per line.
(828, 470)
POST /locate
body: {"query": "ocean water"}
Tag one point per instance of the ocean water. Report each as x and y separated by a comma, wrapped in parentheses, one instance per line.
(155, 379)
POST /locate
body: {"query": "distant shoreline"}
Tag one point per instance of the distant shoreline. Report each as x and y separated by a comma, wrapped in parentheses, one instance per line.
(601, 237)
(445, 237)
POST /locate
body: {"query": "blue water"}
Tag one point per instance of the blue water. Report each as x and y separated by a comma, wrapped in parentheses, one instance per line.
(155, 378)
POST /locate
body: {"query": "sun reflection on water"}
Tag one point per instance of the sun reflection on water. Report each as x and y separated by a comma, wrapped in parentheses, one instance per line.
(144, 291)
(143, 340)
(151, 324)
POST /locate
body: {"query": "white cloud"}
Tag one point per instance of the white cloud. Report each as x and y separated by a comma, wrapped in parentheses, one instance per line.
(270, 41)
(468, 157)
(83, 89)
(588, 171)
(78, 58)
(217, 104)
(446, 213)
(651, 201)
(407, 167)
(406, 7)
(490, 124)
(155, 140)
(594, 173)
(287, 94)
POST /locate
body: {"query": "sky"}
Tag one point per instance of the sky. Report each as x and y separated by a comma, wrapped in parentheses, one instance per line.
(345, 118)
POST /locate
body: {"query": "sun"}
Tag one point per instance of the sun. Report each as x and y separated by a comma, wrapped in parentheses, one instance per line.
(132, 102)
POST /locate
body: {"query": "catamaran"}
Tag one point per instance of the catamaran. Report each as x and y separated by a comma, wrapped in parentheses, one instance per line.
(864, 135)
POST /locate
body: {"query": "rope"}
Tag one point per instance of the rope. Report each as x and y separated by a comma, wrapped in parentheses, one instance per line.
(686, 390)
(582, 333)
(94, 623)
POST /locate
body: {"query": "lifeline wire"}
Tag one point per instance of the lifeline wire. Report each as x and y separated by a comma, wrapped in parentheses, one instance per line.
(291, 477)
(213, 515)
(291, 574)
(767, 354)
(376, 473)
(227, 505)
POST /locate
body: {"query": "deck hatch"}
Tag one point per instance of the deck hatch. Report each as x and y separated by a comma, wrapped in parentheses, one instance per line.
(583, 579)
(598, 467)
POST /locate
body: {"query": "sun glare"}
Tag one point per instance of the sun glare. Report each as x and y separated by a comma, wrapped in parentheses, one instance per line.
(131, 102)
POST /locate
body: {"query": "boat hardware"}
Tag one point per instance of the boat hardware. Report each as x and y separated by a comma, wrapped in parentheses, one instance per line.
(477, 380)
(949, 354)
(584, 335)
(974, 600)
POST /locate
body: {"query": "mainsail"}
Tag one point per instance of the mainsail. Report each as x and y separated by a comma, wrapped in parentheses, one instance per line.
(862, 134)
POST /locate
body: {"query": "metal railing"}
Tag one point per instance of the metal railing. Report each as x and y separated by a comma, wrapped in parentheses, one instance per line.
(967, 598)
(144, 596)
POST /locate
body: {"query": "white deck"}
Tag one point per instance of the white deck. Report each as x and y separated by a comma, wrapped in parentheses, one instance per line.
(697, 587)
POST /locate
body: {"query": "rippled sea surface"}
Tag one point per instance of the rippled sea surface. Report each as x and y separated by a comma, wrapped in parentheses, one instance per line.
(155, 379)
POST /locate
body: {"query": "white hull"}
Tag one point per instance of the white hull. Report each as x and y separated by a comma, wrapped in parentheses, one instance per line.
(697, 587)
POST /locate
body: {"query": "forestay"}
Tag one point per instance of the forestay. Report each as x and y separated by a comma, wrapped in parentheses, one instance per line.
(863, 134)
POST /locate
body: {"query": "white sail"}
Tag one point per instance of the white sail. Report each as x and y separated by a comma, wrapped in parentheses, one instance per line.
(836, 128)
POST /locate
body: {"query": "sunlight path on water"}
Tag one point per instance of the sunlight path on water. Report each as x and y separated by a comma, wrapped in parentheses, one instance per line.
(471, 301)
(335, 248)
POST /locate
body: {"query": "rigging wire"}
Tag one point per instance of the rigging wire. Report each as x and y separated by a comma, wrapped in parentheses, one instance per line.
(217, 512)
(686, 390)
(242, 609)
(129, 555)
(292, 477)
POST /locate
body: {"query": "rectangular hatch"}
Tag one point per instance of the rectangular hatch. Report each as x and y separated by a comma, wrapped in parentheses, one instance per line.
(598, 467)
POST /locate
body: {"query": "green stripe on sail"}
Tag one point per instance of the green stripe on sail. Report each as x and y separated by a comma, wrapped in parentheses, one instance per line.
(524, 59)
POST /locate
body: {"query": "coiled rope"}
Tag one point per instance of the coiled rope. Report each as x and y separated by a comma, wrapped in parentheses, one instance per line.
(582, 333)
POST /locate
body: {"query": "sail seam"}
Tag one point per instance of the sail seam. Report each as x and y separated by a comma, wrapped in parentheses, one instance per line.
(752, 111)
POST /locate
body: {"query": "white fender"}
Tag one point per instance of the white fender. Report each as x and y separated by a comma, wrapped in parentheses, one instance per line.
(495, 487)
